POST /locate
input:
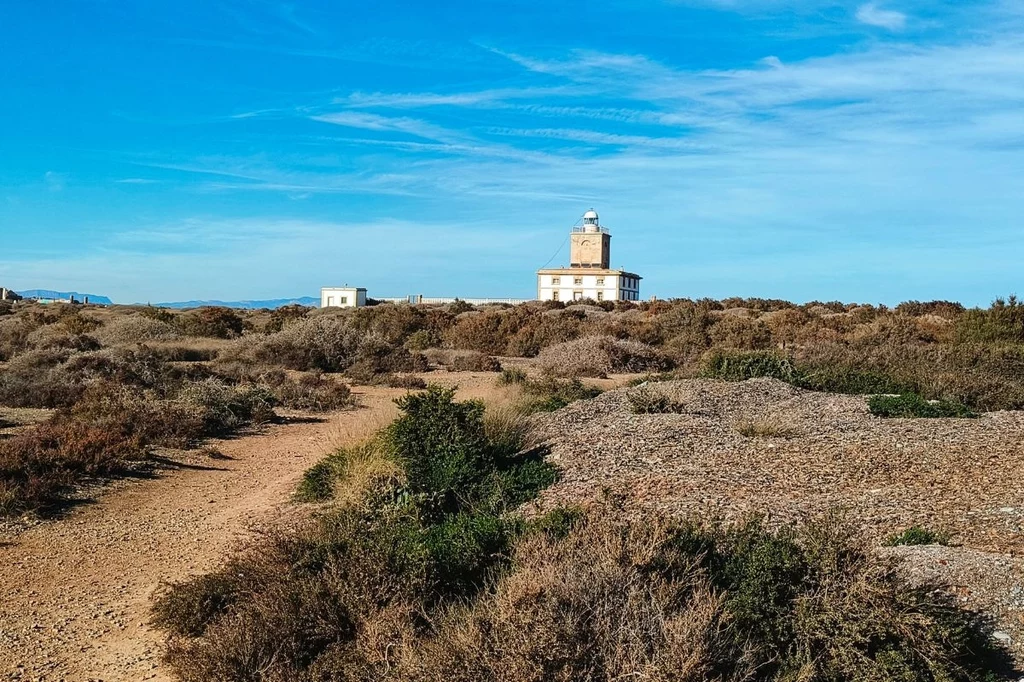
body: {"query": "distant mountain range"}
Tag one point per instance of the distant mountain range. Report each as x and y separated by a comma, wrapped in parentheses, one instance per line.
(48, 293)
(247, 305)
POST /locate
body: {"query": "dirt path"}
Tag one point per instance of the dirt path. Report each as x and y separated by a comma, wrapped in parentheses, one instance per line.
(75, 592)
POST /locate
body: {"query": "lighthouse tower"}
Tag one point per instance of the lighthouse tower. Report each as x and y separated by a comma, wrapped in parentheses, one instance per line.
(590, 244)
(589, 275)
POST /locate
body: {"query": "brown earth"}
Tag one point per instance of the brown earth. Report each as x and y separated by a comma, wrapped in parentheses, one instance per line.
(76, 590)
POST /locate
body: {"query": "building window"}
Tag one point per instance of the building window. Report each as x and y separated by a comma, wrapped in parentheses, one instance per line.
(554, 295)
(600, 295)
(600, 281)
(578, 281)
(556, 280)
(344, 300)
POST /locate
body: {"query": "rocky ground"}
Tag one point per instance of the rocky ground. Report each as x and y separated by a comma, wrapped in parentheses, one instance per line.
(826, 452)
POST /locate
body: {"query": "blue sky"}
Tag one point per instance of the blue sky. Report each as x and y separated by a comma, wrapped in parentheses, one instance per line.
(158, 150)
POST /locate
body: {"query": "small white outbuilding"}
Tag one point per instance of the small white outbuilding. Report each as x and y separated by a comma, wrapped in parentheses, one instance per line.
(342, 297)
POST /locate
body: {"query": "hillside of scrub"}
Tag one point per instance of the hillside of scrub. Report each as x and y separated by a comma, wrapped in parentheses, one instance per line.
(416, 564)
(731, 449)
(124, 381)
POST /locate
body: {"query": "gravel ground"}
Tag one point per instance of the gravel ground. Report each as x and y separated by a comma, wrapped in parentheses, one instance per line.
(960, 476)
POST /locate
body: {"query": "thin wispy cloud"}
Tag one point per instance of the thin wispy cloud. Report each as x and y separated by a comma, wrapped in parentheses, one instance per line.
(394, 124)
(873, 15)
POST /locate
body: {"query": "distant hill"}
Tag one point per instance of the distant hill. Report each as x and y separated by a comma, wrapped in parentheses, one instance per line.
(246, 305)
(48, 293)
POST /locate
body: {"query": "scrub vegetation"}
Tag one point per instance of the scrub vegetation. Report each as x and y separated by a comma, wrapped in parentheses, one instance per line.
(419, 567)
(173, 378)
(418, 560)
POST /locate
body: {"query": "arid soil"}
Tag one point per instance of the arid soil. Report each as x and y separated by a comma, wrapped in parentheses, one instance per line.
(959, 476)
(76, 590)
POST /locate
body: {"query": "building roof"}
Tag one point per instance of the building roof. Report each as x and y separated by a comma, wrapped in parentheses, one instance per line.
(586, 271)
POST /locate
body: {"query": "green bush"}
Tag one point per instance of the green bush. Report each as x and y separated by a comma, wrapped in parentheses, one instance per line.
(441, 445)
(455, 460)
(845, 379)
(548, 395)
(317, 484)
(913, 405)
(918, 535)
(743, 365)
(464, 547)
(1002, 322)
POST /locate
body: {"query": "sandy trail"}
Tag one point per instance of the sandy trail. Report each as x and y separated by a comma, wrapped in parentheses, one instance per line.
(75, 592)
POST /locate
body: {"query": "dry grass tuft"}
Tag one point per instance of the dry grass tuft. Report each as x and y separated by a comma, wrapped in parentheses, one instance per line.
(764, 428)
(349, 474)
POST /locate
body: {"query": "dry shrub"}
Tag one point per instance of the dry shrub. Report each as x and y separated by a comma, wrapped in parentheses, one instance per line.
(376, 356)
(134, 329)
(598, 356)
(586, 607)
(656, 599)
(731, 331)
(14, 335)
(649, 400)
(37, 467)
(40, 378)
(284, 316)
(463, 360)
(310, 604)
(224, 408)
(328, 344)
(122, 409)
(58, 378)
(313, 392)
(490, 332)
(74, 323)
(407, 381)
(212, 321)
(541, 331)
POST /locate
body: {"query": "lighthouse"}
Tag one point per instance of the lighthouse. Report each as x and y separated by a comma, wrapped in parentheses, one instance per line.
(589, 275)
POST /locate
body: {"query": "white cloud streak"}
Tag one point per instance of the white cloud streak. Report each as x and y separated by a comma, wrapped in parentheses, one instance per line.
(873, 15)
